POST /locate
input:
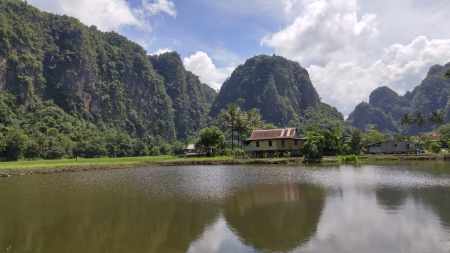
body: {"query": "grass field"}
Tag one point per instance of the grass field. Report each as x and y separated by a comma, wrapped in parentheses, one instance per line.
(66, 163)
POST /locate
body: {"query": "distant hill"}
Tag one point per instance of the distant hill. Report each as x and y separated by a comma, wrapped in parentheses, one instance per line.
(385, 106)
(280, 89)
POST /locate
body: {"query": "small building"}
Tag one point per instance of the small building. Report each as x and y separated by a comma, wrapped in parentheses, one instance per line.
(191, 150)
(374, 148)
(267, 143)
(392, 147)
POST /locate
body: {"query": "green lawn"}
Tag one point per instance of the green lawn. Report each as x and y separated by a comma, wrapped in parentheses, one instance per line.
(65, 163)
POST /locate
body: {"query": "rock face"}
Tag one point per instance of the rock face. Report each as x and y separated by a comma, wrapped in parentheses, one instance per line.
(96, 76)
(191, 99)
(385, 106)
(279, 88)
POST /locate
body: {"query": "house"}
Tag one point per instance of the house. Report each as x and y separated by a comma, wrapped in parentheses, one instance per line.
(374, 148)
(192, 151)
(390, 147)
(267, 143)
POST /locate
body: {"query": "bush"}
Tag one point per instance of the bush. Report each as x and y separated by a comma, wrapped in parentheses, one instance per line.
(238, 152)
(435, 147)
(349, 158)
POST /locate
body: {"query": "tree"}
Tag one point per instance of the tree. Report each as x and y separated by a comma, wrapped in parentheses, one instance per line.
(356, 142)
(177, 148)
(228, 119)
(447, 74)
(15, 144)
(211, 139)
(406, 120)
(313, 147)
(420, 120)
(436, 118)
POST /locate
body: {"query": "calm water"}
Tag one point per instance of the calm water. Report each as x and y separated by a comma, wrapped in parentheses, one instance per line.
(370, 208)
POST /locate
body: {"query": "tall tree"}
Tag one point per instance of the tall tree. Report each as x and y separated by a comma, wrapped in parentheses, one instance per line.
(447, 74)
(211, 139)
(436, 118)
(228, 119)
(406, 120)
(420, 120)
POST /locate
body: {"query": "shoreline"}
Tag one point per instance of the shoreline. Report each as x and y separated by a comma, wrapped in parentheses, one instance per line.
(239, 161)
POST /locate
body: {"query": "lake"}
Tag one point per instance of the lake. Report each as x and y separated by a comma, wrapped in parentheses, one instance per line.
(387, 207)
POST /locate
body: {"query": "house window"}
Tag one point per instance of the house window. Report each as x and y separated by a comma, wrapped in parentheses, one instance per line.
(257, 143)
(395, 145)
(270, 143)
(282, 142)
(407, 146)
(295, 142)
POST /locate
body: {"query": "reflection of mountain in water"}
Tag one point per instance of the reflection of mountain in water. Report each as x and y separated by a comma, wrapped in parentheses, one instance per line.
(390, 198)
(438, 199)
(105, 225)
(275, 218)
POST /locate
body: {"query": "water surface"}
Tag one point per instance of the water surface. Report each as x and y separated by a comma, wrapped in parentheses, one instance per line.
(368, 208)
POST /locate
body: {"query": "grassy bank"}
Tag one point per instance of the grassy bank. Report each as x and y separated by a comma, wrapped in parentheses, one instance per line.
(82, 164)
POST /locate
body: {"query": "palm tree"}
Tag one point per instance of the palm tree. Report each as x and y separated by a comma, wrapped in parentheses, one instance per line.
(436, 117)
(228, 119)
(253, 119)
(420, 120)
(406, 120)
(240, 125)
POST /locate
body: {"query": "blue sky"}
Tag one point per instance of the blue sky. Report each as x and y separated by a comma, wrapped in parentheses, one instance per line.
(349, 47)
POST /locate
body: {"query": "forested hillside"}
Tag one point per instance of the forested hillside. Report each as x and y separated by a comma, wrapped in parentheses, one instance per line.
(191, 99)
(60, 78)
(281, 90)
(386, 107)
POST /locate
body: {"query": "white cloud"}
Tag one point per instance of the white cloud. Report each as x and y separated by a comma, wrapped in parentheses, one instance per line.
(161, 6)
(341, 47)
(201, 64)
(161, 51)
(107, 15)
(324, 30)
(401, 67)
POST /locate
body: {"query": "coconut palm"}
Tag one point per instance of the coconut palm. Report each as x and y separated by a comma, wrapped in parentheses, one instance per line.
(406, 120)
(419, 120)
(228, 119)
(436, 118)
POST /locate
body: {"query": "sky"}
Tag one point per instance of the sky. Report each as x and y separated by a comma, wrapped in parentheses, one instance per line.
(349, 47)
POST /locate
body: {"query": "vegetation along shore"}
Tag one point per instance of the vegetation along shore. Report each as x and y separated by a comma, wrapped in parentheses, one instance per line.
(21, 168)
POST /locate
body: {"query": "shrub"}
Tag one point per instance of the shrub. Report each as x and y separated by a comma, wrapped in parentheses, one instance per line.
(349, 158)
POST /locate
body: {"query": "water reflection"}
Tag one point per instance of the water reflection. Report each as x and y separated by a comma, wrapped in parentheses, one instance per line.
(383, 208)
(391, 198)
(275, 217)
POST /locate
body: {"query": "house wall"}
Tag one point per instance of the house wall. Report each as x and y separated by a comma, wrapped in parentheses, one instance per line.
(398, 147)
(289, 145)
(375, 149)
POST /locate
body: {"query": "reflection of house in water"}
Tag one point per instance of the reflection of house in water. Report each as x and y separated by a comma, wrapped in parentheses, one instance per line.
(264, 143)
(275, 218)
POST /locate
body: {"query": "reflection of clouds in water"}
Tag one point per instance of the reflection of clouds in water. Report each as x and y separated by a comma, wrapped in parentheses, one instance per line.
(219, 238)
(369, 177)
(354, 221)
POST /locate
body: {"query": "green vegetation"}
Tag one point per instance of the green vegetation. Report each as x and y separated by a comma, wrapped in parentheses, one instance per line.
(349, 158)
(236, 120)
(281, 90)
(68, 90)
(313, 147)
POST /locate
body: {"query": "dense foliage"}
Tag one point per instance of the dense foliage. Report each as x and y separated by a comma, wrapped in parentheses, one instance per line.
(71, 90)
